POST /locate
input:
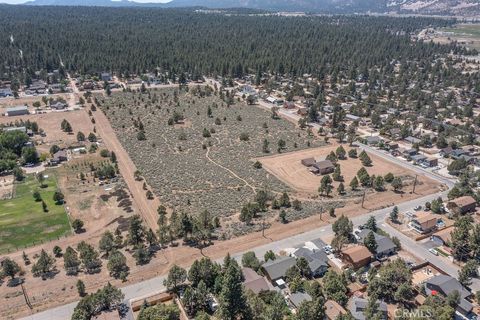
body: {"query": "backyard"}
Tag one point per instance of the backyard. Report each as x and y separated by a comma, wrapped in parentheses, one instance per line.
(23, 221)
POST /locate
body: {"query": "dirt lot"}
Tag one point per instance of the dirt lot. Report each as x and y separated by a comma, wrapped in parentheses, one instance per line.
(6, 186)
(50, 123)
(11, 102)
(289, 169)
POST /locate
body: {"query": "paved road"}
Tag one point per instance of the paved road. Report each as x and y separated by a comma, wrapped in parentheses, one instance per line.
(154, 285)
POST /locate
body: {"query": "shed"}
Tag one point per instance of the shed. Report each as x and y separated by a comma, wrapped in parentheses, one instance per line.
(17, 111)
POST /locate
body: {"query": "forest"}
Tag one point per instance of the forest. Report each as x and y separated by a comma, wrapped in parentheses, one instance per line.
(134, 40)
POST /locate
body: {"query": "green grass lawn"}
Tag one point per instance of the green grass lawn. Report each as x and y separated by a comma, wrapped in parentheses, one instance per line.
(22, 219)
(469, 29)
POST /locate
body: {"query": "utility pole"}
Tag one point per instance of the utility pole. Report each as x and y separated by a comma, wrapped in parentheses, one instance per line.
(363, 198)
(414, 183)
(263, 227)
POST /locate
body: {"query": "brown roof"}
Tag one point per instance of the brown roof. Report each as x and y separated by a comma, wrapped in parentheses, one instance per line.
(324, 164)
(357, 253)
(464, 201)
(426, 219)
(333, 309)
(254, 281)
(445, 234)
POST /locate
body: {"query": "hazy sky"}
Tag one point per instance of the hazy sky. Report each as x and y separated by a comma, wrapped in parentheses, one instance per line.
(23, 1)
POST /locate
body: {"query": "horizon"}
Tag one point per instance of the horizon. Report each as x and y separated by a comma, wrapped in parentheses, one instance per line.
(138, 1)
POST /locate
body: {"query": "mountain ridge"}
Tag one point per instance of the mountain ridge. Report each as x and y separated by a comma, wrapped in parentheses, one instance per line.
(468, 8)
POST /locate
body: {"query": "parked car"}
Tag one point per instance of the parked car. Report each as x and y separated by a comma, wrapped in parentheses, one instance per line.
(417, 208)
(328, 249)
(433, 251)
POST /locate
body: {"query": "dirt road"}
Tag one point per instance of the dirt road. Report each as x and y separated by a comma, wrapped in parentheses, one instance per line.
(147, 208)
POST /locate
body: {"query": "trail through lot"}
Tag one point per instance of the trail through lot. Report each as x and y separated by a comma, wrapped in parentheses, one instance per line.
(147, 208)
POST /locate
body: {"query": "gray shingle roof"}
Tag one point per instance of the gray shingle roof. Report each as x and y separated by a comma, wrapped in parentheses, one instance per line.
(384, 244)
(276, 269)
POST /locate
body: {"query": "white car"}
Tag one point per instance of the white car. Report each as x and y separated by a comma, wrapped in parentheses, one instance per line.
(433, 251)
(327, 249)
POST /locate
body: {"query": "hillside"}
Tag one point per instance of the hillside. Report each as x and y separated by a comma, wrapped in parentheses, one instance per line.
(466, 8)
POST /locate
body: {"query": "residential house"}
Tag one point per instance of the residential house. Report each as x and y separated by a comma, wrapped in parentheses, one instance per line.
(385, 245)
(443, 237)
(418, 158)
(317, 260)
(59, 157)
(105, 76)
(446, 152)
(445, 285)
(431, 162)
(356, 256)
(395, 133)
(333, 310)
(6, 92)
(289, 105)
(58, 105)
(351, 117)
(324, 167)
(373, 140)
(462, 205)
(21, 129)
(357, 307)
(17, 111)
(303, 111)
(309, 162)
(424, 222)
(409, 153)
(457, 153)
(297, 298)
(275, 270)
(412, 140)
(254, 281)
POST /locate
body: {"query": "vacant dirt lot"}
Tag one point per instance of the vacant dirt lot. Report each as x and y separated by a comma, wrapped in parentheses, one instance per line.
(50, 123)
(289, 169)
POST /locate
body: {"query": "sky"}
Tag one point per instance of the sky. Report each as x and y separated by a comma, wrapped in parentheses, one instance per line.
(23, 1)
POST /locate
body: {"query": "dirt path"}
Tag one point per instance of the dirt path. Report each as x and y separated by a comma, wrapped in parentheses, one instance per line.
(147, 208)
(230, 171)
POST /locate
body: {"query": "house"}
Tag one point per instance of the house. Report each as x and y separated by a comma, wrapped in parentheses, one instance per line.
(457, 153)
(351, 117)
(297, 298)
(21, 129)
(309, 162)
(105, 76)
(418, 158)
(409, 153)
(303, 111)
(395, 133)
(445, 152)
(324, 167)
(333, 310)
(431, 162)
(275, 270)
(445, 285)
(424, 222)
(462, 205)
(289, 105)
(6, 92)
(442, 237)
(58, 105)
(272, 100)
(254, 281)
(373, 140)
(357, 307)
(385, 245)
(412, 140)
(356, 256)
(317, 260)
(17, 111)
(59, 157)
